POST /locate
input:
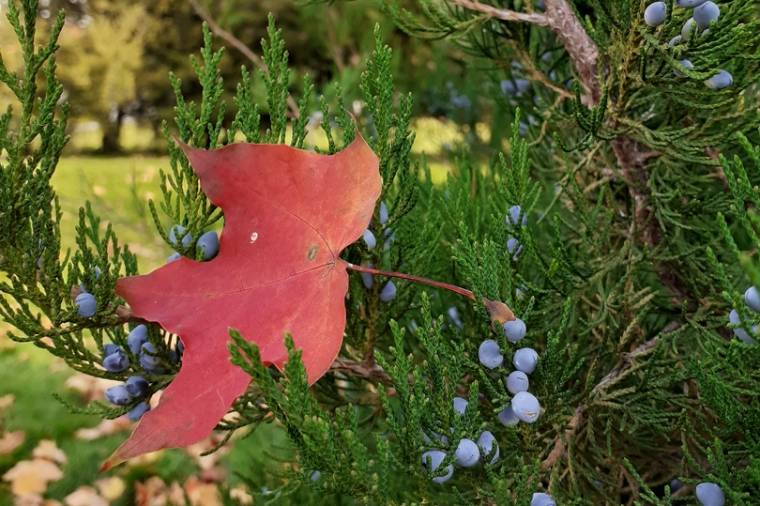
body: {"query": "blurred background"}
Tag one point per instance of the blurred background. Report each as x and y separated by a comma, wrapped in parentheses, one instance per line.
(115, 60)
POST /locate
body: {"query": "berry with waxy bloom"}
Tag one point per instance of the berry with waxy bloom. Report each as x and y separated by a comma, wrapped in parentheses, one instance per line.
(87, 306)
(517, 381)
(208, 245)
(369, 239)
(137, 386)
(118, 395)
(138, 411)
(526, 407)
(460, 405)
(542, 499)
(467, 453)
(432, 460)
(655, 14)
(178, 234)
(710, 494)
(514, 330)
(525, 360)
(388, 293)
(116, 361)
(706, 14)
(136, 338)
(507, 417)
(489, 354)
(488, 446)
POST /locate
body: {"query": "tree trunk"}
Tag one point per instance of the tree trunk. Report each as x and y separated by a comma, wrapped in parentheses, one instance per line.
(112, 132)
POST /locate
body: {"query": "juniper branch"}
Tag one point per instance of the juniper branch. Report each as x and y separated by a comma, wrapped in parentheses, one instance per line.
(626, 362)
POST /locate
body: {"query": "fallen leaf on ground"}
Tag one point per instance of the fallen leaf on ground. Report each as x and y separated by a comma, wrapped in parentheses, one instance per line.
(6, 401)
(85, 496)
(206, 462)
(31, 477)
(105, 428)
(90, 387)
(111, 488)
(11, 440)
(215, 474)
(241, 495)
(201, 493)
(288, 214)
(47, 449)
(34, 500)
(154, 492)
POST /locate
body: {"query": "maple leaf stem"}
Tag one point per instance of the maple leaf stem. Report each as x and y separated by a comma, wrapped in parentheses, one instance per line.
(415, 279)
(498, 311)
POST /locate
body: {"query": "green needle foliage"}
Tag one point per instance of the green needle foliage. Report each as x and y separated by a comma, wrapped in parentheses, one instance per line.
(639, 185)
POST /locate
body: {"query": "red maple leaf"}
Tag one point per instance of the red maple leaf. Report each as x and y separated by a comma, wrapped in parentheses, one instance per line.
(288, 215)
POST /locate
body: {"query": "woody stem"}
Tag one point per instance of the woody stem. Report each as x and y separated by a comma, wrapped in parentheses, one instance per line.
(415, 279)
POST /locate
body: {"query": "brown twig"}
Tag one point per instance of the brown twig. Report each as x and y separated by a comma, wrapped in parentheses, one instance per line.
(238, 44)
(370, 372)
(504, 14)
(582, 50)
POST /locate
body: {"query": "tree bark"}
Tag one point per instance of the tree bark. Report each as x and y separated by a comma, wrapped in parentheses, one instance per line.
(111, 133)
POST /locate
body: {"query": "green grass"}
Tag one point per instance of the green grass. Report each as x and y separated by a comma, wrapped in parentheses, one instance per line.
(119, 189)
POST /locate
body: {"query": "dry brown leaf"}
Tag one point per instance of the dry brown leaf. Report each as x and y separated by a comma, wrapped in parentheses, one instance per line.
(499, 311)
(31, 477)
(48, 450)
(202, 494)
(145, 460)
(105, 428)
(176, 494)
(111, 488)
(90, 387)
(241, 496)
(28, 500)
(34, 500)
(207, 462)
(85, 496)
(10, 441)
(151, 492)
(215, 474)
(6, 401)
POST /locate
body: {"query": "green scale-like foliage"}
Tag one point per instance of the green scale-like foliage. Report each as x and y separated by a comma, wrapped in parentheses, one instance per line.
(625, 277)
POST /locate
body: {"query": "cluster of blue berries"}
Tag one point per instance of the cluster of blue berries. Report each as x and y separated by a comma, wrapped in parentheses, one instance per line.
(207, 244)
(468, 453)
(388, 292)
(752, 299)
(136, 388)
(703, 14)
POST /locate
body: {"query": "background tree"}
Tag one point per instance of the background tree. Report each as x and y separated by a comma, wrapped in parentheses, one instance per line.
(105, 77)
